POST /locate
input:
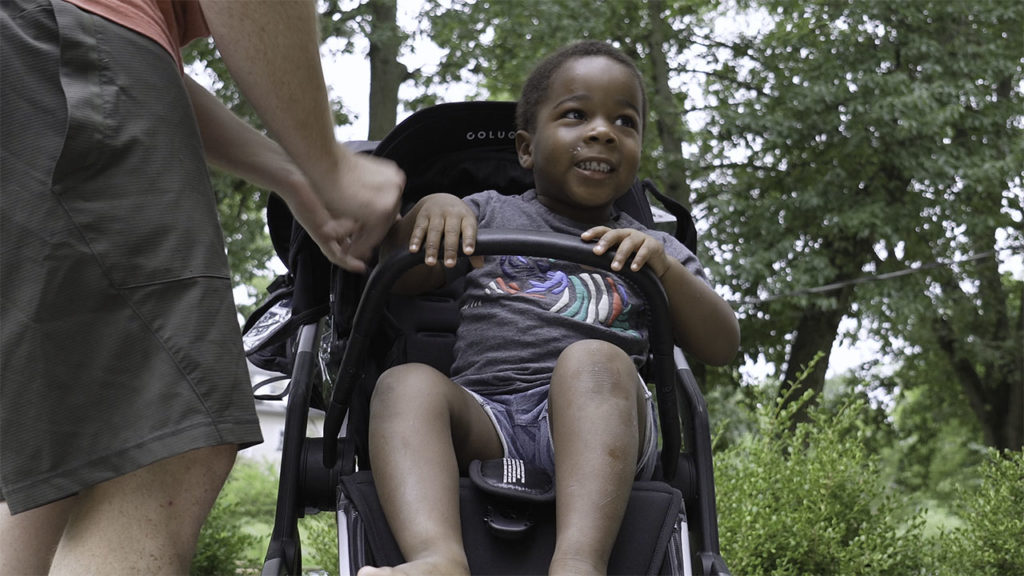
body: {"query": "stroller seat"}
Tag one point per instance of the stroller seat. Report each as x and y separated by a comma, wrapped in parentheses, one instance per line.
(647, 535)
(671, 523)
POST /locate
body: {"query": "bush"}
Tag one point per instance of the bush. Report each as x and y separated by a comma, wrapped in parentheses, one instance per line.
(990, 539)
(320, 543)
(223, 542)
(234, 537)
(808, 499)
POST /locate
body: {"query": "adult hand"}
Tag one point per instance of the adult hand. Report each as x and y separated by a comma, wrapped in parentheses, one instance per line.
(353, 209)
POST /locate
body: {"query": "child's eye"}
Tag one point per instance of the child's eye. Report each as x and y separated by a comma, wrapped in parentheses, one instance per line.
(627, 121)
(574, 115)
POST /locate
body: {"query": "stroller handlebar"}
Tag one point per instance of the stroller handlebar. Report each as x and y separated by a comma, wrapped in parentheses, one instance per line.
(538, 244)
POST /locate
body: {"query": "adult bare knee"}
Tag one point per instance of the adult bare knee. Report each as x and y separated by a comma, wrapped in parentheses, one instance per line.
(29, 540)
(147, 521)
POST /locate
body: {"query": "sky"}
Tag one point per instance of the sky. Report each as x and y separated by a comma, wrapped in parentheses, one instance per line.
(348, 75)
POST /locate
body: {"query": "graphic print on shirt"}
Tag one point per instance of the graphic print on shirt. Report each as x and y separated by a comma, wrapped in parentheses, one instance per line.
(584, 294)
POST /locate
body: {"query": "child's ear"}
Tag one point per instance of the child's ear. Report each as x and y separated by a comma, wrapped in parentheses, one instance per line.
(524, 148)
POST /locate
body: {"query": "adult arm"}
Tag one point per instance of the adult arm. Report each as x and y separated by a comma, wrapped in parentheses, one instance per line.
(234, 146)
(271, 50)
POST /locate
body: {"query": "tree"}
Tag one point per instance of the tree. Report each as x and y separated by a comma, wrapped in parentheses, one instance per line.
(377, 22)
(849, 139)
(500, 42)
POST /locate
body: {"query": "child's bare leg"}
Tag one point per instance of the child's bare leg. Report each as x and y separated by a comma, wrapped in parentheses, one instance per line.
(424, 428)
(597, 410)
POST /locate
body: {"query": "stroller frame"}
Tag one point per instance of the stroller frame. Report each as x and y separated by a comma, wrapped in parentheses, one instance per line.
(312, 469)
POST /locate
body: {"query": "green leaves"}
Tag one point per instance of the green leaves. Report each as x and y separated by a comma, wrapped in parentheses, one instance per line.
(809, 499)
(854, 125)
(988, 542)
(817, 143)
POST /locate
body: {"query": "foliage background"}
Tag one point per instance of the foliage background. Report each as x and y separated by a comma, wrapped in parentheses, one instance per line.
(855, 169)
(809, 499)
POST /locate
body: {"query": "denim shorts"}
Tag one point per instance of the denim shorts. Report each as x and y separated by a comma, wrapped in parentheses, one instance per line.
(522, 423)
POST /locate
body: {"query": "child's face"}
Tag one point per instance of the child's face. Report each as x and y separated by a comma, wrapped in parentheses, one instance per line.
(585, 149)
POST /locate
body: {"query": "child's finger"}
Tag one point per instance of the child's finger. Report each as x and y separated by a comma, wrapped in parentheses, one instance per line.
(469, 226)
(594, 233)
(419, 230)
(432, 242)
(452, 233)
(652, 255)
(623, 251)
(641, 257)
(605, 237)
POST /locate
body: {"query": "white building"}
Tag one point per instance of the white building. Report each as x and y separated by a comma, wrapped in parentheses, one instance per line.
(272, 416)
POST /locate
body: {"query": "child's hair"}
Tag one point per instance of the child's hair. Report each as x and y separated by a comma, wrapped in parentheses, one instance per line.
(536, 86)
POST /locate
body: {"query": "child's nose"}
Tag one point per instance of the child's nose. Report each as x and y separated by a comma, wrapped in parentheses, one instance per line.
(600, 131)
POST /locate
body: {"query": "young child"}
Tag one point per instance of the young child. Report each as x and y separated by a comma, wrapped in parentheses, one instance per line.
(547, 351)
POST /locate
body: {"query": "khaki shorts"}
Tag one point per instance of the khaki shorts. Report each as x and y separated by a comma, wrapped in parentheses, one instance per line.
(120, 340)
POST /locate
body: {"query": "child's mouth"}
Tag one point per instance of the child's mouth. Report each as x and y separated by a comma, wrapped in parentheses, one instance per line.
(594, 166)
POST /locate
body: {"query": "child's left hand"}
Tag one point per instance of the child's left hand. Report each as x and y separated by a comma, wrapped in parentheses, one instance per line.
(646, 250)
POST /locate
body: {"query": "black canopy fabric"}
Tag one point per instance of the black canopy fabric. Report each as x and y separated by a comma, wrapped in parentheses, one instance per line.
(459, 148)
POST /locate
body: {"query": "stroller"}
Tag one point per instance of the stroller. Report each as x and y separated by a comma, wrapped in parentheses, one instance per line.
(334, 332)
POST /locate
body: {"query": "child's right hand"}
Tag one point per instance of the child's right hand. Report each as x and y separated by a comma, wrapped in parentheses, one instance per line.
(441, 220)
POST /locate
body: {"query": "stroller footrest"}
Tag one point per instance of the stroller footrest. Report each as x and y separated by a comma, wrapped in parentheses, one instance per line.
(508, 522)
(512, 479)
(513, 489)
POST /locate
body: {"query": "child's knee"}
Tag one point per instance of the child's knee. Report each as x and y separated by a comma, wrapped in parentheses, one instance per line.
(598, 367)
(593, 351)
(407, 386)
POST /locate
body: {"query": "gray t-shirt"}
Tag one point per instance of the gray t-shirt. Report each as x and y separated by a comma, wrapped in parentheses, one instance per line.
(518, 313)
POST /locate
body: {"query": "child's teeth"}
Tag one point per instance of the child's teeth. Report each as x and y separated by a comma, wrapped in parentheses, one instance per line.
(595, 166)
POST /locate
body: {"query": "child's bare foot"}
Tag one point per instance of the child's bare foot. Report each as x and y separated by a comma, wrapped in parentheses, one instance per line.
(424, 567)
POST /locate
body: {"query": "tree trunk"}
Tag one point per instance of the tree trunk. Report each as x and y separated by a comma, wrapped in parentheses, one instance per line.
(815, 334)
(386, 72)
(1016, 403)
(668, 120)
(996, 404)
(993, 384)
(818, 326)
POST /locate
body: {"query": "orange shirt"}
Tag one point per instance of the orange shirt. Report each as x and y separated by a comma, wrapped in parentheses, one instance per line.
(171, 23)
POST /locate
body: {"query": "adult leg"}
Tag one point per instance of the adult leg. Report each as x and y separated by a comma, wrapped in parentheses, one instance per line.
(424, 429)
(147, 521)
(29, 540)
(596, 410)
